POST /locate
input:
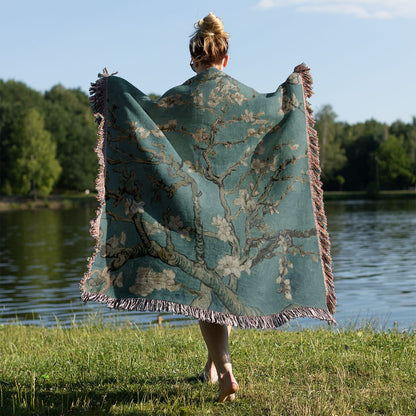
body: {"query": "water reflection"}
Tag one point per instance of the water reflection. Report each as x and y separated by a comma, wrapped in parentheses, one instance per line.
(374, 252)
(43, 256)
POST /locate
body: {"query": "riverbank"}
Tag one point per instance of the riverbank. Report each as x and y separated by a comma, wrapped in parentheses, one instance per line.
(99, 369)
(67, 201)
(64, 201)
(382, 195)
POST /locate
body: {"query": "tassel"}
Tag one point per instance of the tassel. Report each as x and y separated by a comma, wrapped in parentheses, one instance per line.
(316, 189)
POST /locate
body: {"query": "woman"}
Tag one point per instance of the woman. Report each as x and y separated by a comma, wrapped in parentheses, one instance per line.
(211, 203)
(209, 49)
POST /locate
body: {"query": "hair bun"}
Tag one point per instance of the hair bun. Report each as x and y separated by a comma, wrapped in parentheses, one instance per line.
(211, 25)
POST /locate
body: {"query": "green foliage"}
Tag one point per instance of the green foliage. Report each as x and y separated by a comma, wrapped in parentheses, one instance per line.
(71, 123)
(332, 155)
(365, 138)
(33, 166)
(15, 100)
(99, 369)
(154, 96)
(394, 163)
(365, 155)
(71, 134)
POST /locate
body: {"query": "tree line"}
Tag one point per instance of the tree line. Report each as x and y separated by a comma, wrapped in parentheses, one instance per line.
(47, 143)
(47, 140)
(368, 156)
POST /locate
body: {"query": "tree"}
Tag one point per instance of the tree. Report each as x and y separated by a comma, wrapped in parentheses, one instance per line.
(394, 163)
(408, 132)
(71, 123)
(34, 168)
(15, 99)
(154, 96)
(361, 142)
(332, 155)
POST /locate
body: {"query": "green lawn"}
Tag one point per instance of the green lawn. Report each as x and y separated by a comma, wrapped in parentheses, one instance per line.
(107, 369)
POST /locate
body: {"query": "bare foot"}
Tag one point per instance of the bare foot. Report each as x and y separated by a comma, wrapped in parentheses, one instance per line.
(209, 374)
(228, 388)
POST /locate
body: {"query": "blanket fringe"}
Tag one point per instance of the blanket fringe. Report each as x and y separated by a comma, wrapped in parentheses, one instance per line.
(98, 103)
(316, 189)
(245, 322)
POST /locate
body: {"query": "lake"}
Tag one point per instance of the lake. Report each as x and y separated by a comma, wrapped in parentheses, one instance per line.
(43, 257)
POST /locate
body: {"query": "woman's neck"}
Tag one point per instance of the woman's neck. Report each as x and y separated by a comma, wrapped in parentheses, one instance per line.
(202, 68)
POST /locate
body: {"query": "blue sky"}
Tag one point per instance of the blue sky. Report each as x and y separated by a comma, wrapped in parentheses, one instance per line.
(361, 53)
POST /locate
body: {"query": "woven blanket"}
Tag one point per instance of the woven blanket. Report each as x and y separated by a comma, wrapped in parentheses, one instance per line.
(210, 202)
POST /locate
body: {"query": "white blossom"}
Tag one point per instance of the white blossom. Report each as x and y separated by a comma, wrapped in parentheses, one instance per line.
(257, 165)
(157, 133)
(200, 135)
(191, 167)
(169, 101)
(214, 98)
(254, 191)
(287, 290)
(199, 99)
(142, 132)
(154, 228)
(184, 233)
(224, 228)
(132, 207)
(245, 201)
(247, 116)
(289, 104)
(148, 280)
(239, 98)
(231, 265)
(273, 164)
(115, 241)
(246, 267)
(253, 132)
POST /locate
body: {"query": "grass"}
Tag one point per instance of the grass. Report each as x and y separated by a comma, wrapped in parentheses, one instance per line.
(104, 369)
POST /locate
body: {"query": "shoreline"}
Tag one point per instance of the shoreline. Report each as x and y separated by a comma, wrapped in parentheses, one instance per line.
(68, 201)
(348, 195)
(64, 201)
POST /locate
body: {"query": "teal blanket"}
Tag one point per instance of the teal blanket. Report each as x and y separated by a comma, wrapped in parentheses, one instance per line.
(210, 202)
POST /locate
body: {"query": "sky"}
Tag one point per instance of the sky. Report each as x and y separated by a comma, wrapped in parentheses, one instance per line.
(361, 53)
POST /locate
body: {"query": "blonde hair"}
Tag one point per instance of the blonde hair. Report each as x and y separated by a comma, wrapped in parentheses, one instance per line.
(209, 42)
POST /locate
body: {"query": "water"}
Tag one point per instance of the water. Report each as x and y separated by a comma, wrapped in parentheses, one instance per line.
(374, 261)
(43, 256)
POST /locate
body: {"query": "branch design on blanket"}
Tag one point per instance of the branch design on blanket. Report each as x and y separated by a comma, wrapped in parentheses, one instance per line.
(208, 203)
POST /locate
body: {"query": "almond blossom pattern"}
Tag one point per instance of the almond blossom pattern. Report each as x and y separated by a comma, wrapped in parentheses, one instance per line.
(231, 265)
(224, 228)
(197, 211)
(245, 200)
(148, 280)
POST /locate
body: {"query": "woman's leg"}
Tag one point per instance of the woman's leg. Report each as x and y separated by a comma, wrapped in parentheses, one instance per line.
(216, 339)
(210, 372)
